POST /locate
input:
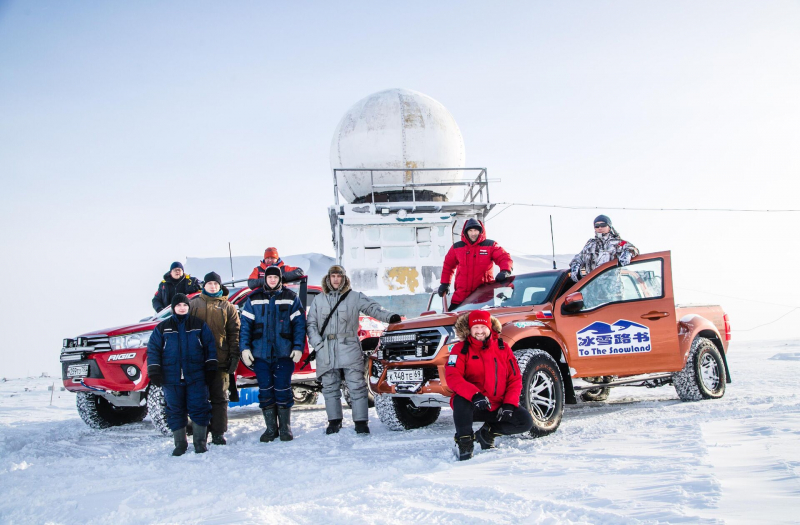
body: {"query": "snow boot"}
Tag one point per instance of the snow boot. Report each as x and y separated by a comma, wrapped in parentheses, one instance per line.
(485, 436)
(218, 439)
(181, 444)
(199, 437)
(271, 420)
(334, 426)
(465, 445)
(284, 423)
(362, 427)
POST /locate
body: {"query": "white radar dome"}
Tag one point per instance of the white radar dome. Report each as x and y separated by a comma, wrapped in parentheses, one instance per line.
(397, 128)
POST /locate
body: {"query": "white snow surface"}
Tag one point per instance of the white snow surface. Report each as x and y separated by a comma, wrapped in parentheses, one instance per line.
(642, 457)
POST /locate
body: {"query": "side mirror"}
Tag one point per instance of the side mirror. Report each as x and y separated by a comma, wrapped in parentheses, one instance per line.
(572, 303)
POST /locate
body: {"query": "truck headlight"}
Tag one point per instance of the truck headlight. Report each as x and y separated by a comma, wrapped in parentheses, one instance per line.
(124, 342)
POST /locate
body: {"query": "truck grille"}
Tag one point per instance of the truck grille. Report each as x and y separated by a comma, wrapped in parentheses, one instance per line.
(412, 344)
(79, 345)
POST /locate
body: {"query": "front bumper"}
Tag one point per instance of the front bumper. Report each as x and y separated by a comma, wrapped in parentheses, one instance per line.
(432, 391)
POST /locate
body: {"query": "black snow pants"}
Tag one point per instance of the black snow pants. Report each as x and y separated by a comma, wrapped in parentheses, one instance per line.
(465, 413)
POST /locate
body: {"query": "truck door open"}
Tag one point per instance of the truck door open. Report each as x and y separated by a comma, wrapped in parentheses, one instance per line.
(621, 320)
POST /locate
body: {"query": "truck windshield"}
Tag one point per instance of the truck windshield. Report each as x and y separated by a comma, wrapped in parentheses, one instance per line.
(521, 290)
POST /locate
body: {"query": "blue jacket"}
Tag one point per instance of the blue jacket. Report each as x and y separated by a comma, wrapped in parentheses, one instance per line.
(273, 324)
(181, 347)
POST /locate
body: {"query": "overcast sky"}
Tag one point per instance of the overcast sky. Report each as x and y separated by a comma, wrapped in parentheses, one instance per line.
(133, 134)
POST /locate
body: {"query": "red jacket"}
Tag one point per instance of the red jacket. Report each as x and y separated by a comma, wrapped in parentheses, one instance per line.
(290, 273)
(474, 263)
(492, 371)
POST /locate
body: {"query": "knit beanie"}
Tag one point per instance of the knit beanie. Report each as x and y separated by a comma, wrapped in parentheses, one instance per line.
(178, 299)
(212, 276)
(480, 317)
(602, 218)
(271, 252)
(174, 265)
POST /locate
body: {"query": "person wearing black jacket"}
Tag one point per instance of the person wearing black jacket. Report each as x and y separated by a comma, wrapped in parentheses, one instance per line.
(182, 360)
(175, 281)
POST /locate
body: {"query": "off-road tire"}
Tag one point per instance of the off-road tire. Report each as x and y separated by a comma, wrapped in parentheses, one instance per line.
(346, 391)
(99, 413)
(703, 375)
(399, 413)
(540, 373)
(304, 397)
(597, 394)
(157, 408)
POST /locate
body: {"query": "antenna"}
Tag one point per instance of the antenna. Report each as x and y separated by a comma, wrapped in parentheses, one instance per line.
(230, 256)
(553, 242)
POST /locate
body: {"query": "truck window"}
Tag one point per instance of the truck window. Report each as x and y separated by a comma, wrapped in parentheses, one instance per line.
(522, 290)
(635, 282)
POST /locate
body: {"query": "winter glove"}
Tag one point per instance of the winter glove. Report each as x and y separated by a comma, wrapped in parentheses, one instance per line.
(575, 272)
(247, 357)
(210, 375)
(624, 258)
(481, 402)
(394, 319)
(443, 289)
(234, 364)
(233, 392)
(296, 355)
(156, 380)
(505, 412)
(502, 276)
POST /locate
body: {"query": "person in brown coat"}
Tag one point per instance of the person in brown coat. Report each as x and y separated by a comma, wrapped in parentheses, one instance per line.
(222, 318)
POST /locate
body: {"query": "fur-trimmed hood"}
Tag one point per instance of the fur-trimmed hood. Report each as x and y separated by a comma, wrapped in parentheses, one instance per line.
(462, 326)
(326, 283)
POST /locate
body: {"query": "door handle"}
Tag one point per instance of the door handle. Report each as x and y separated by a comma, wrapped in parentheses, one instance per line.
(655, 315)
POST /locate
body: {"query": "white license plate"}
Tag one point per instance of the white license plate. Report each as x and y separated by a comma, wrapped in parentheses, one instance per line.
(77, 370)
(404, 376)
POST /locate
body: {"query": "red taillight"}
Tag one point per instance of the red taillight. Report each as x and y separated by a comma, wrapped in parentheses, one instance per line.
(727, 327)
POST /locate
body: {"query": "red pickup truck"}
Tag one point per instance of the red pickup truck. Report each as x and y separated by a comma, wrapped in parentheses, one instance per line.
(107, 369)
(617, 326)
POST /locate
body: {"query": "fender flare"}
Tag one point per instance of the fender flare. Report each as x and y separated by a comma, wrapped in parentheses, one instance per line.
(698, 326)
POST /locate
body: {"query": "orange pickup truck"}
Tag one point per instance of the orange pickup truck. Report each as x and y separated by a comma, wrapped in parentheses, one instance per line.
(617, 326)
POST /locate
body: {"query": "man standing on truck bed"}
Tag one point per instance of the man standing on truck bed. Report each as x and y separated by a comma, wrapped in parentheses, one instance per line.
(605, 246)
(272, 340)
(174, 282)
(333, 332)
(472, 259)
(289, 273)
(222, 318)
(485, 378)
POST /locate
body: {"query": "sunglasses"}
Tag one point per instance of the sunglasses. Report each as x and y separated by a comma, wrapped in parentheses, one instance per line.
(600, 225)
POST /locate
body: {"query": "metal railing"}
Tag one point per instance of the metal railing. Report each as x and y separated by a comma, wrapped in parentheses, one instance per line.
(473, 189)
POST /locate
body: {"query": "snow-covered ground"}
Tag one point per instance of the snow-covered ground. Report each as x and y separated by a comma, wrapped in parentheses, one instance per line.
(642, 457)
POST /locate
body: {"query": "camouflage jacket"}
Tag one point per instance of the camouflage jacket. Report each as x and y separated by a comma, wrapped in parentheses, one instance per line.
(600, 250)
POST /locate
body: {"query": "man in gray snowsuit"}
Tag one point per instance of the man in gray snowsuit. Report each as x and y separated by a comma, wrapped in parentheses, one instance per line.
(605, 246)
(337, 348)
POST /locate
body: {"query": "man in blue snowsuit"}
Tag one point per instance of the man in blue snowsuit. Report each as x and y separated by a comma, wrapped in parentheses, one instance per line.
(182, 360)
(272, 340)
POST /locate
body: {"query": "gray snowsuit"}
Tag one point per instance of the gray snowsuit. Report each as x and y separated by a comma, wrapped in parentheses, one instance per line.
(339, 348)
(599, 250)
